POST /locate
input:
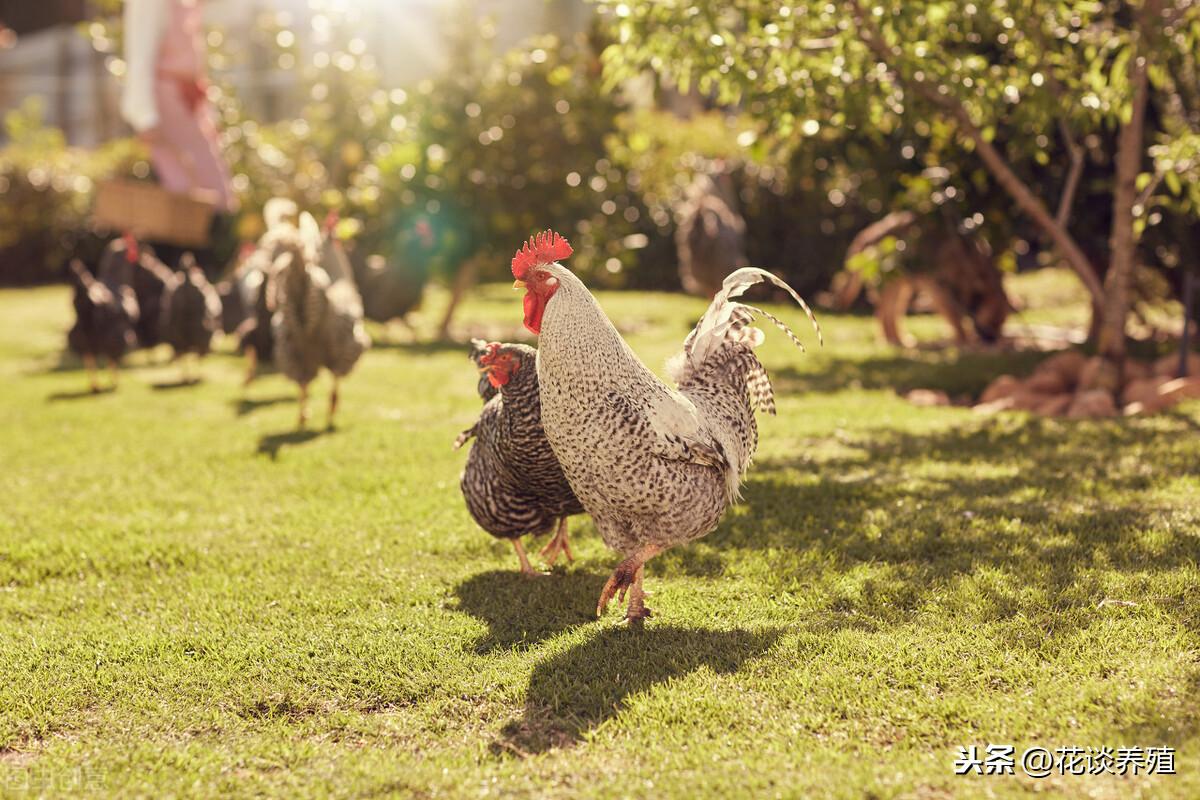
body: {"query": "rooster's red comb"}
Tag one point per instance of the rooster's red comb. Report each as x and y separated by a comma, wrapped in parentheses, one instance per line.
(131, 248)
(492, 349)
(544, 248)
(331, 221)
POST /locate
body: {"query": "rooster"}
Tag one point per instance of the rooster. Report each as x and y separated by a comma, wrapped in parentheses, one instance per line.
(127, 262)
(655, 466)
(105, 316)
(191, 313)
(317, 321)
(512, 483)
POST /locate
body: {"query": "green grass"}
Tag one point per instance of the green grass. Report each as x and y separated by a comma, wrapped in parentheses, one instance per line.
(194, 600)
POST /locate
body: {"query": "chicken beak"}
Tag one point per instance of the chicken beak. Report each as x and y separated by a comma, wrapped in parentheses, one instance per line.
(518, 284)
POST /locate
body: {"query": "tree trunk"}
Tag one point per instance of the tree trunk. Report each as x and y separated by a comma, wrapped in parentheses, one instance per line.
(1122, 241)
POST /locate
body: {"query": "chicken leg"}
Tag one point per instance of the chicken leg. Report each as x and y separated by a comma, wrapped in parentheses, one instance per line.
(303, 421)
(558, 544)
(627, 577)
(333, 404)
(526, 569)
(113, 371)
(251, 365)
(89, 363)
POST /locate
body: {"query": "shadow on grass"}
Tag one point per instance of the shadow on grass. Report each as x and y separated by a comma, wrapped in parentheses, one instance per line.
(1014, 505)
(171, 386)
(522, 610)
(248, 405)
(80, 394)
(954, 371)
(577, 690)
(271, 444)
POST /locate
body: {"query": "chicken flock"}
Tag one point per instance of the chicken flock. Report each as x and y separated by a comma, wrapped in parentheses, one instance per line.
(578, 425)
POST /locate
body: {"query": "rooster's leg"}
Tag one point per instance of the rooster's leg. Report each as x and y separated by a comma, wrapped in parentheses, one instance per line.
(112, 371)
(526, 568)
(637, 610)
(333, 403)
(89, 363)
(628, 574)
(303, 406)
(558, 544)
(251, 365)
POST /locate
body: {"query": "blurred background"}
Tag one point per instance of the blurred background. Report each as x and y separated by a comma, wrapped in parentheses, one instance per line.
(841, 146)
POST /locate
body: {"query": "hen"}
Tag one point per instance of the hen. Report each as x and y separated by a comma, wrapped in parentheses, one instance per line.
(655, 466)
(512, 483)
(105, 316)
(191, 313)
(129, 263)
(317, 321)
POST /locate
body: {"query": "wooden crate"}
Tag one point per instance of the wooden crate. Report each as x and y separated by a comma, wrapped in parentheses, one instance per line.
(151, 213)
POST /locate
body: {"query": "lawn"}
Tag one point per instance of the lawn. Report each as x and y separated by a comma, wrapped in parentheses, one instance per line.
(196, 600)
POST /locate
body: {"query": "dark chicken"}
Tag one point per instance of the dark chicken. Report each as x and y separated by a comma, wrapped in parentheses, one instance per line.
(105, 316)
(710, 238)
(512, 483)
(127, 262)
(191, 313)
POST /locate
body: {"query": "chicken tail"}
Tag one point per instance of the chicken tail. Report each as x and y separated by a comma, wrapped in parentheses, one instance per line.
(726, 322)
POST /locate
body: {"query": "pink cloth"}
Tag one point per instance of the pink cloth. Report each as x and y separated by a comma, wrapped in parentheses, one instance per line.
(181, 51)
(164, 96)
(185, 149)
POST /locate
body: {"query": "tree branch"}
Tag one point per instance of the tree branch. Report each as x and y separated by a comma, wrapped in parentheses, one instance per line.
(1020, 192)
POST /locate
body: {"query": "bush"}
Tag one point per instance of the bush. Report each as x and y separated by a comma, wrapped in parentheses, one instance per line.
(47, 191)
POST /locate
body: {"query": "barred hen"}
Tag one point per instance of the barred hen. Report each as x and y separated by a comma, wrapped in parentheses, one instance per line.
(105, 316)
(317, 321)
(191, 313)
(655, 466)
(128, 262)
(512, 483)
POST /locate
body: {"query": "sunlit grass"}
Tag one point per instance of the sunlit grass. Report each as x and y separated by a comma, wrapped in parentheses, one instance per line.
(194, 600)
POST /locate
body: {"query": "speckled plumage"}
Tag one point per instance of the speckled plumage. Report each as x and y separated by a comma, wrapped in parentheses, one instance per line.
(191, 310)
(655, 466)
(513, 484)
(317, 322)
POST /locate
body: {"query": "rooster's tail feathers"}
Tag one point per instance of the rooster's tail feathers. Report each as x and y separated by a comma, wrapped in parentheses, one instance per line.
(726, 321)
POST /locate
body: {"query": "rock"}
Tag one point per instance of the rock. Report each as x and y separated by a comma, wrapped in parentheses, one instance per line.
(1056, 405)
(992, 406)
(928, 398)
(1025, 400)
(1048, 382)
(1135, 370)
(1067, 365)
(1099, 374)
(1168, 365)
(1004, 386)
(1092, 404)
(1172, 392)
(1141, 390)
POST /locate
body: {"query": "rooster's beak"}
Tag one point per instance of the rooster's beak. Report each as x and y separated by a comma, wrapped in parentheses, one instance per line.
(518, 284)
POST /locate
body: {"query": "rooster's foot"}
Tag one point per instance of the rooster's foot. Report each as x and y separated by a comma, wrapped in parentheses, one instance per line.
(621, 579)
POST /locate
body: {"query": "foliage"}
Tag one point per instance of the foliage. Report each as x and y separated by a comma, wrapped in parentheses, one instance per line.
(1028, 81)
(47, 190)
(183, 614)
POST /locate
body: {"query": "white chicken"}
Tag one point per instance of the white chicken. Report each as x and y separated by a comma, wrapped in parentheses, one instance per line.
(655, 466)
